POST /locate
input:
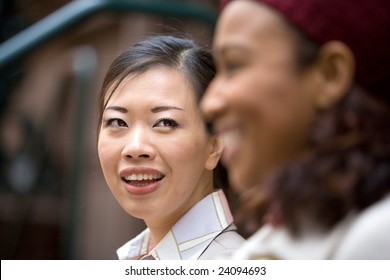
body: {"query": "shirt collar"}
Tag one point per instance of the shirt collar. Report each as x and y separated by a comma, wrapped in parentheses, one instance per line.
(189, 237)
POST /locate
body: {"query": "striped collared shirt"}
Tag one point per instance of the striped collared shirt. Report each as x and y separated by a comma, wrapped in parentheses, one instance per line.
(189, 237)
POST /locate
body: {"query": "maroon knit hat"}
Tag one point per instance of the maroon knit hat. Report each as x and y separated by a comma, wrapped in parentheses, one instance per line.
(363, 25)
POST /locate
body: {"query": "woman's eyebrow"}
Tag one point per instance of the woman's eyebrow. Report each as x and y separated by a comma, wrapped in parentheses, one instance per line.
(153, 110)
(164, 108)
(117, 108)
(232, 47)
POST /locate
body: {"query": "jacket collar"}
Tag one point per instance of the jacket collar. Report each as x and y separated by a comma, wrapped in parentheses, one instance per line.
(189, 237)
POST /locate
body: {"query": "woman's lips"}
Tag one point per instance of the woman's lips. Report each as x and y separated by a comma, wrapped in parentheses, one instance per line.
(141, 187)
(141, 181)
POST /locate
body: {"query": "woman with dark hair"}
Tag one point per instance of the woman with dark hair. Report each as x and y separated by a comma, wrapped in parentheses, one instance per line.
(157, 155)
(301, 98)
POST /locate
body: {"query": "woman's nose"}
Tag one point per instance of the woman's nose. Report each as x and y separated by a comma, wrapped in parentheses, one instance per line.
(138, 145)
(213, 102)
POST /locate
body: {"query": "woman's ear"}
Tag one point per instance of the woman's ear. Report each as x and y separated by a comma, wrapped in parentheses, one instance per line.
(336, 70)
(216, 148)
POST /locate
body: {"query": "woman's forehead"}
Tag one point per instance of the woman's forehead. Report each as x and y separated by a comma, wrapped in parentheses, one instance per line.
(155, 85)
(243, 22)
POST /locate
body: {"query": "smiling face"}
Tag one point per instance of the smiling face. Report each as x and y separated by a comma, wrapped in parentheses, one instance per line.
(154, 150)
(259, 102)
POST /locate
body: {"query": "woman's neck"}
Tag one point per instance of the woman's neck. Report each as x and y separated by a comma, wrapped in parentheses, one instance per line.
(159, 225)
(158, 232)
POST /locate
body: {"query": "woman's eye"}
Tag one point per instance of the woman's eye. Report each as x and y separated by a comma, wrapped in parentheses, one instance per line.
(114, 122)
(231, 67)
(166, 122)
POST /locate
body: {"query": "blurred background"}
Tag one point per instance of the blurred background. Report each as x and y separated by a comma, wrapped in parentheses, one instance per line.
(54, 202)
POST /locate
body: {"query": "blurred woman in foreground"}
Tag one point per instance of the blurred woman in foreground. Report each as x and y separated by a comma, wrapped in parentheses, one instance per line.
(301, 99)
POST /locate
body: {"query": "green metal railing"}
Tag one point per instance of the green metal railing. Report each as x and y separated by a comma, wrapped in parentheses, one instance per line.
(76, 11)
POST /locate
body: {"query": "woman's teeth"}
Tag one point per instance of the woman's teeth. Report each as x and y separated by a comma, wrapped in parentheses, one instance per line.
(231, 137)
(142, 179)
